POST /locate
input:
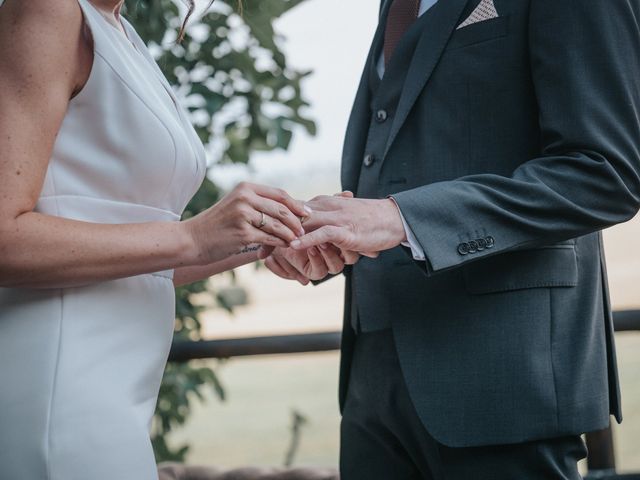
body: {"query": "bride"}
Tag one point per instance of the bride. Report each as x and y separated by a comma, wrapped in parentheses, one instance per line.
(97, 162)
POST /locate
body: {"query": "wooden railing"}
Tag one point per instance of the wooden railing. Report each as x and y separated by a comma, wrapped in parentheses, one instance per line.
(602, 465)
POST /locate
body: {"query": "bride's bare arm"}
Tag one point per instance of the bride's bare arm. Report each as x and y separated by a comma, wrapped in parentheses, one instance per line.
(187, 275)
(42, 63)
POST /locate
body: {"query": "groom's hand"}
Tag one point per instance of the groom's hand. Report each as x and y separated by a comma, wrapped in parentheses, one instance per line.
(352, 224)
(308, 265)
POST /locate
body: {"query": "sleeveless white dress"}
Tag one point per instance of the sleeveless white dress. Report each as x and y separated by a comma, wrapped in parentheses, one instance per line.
(80, 368)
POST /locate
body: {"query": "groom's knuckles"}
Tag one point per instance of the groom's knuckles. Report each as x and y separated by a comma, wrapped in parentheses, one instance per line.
(325, 234)
(320, 219)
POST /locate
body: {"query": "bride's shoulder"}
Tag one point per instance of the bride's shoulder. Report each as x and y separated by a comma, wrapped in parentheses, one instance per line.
(39, 10)
(45, 39)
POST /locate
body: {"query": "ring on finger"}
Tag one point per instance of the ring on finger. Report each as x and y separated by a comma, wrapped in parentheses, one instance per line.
(263, 220)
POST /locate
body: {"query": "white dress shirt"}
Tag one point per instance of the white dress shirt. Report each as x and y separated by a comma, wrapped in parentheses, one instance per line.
(412, 242)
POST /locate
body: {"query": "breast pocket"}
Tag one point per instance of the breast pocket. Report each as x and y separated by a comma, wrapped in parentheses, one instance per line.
(479, 32)
(544, 267)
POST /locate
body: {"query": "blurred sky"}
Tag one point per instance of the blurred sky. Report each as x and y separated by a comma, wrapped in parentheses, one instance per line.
(332, 38)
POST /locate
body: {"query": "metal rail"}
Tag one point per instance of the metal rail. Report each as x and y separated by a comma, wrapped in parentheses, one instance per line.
(183, 351)
(627, 320)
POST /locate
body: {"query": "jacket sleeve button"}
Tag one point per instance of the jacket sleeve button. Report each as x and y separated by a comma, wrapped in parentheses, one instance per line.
(490, 241)
(482, 244)
(473, 246)
(463, 248)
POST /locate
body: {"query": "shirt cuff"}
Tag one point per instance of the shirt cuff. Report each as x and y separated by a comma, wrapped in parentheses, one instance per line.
(412, 242)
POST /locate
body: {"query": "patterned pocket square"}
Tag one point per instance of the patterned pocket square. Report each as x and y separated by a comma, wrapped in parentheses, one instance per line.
(486, 10)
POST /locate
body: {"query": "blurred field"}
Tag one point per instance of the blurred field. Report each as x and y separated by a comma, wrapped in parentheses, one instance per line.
(252, 427)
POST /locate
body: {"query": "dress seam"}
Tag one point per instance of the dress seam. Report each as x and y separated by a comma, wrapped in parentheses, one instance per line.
(53, 388)
(154, 113)
(72, 195)
(57, 359)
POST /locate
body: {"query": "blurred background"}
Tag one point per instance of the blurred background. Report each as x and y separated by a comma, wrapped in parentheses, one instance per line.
(271, 92)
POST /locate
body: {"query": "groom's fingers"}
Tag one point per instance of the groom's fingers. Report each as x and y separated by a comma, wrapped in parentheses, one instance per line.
(326, 234)
(275, 268)
(272, 265)
(331, 256)
(350, 258)
(291, 269)
(317, 264)
(265, 251)
(283, 269)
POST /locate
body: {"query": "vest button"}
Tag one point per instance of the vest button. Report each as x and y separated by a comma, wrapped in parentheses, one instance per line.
(369, 160)
(381, 116)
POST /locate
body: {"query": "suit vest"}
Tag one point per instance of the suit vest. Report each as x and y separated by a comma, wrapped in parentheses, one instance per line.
(385, 96)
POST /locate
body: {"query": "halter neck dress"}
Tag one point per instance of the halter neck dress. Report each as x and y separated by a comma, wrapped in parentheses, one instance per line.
(80, 368)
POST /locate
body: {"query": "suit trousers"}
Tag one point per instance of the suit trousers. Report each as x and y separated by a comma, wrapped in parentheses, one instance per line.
(382, 437)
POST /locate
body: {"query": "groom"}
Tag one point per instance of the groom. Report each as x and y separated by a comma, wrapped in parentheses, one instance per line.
(489, 143)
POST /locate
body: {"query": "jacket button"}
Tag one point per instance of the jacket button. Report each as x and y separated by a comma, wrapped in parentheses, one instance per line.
(490, 242)
(482, 244)
(369, 160)
(381, 116)
(473, 246)
(463, 248)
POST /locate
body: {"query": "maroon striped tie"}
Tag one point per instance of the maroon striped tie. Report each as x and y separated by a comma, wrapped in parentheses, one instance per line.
(402, 14)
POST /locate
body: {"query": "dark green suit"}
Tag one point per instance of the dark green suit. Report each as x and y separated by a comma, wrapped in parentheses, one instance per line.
(508, 145)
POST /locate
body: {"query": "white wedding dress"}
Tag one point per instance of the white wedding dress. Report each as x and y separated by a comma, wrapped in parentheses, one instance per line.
(80, 368)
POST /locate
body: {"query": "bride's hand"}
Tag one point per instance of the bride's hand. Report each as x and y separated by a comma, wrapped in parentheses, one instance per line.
(249, 215)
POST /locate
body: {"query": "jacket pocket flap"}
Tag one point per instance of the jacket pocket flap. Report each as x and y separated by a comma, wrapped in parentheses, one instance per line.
(553, 266)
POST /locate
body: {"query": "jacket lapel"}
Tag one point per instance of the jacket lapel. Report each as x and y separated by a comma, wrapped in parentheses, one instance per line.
(356, 134)
(442, 21)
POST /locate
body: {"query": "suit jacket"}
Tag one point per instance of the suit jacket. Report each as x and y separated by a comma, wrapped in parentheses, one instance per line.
(514, 141)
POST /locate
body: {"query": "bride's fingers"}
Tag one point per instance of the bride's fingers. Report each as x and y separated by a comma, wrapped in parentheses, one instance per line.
(282, 197)
(279, 212)
(274, 227)
(266, 239)
(370, 254)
